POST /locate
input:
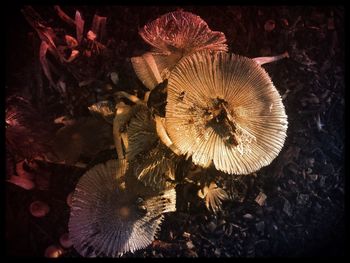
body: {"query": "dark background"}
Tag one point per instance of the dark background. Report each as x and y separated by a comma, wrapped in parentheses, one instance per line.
(312, 80)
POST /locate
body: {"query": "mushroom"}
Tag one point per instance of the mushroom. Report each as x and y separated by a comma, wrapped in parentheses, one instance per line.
(213, 196)
(39, 209)
(86, 136)
(173, 35)
(224, 109)
(104, 109)
(181, 31)
(53, 251)
(65, 240)
(141, 132)
(151, 161)
(156, 168)
(108, 220)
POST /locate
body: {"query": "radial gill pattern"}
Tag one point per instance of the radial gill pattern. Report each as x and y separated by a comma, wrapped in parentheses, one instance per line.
(181, 30)
(107, 220)
(224, 109)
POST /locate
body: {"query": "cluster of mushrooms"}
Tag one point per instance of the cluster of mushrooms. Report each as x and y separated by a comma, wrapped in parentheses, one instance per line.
(217, 109)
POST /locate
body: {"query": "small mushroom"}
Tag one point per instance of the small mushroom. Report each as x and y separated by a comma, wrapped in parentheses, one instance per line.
(65, 240)
(269, 25)
(108, 220)
(180, 30)
(53, 251)
(213, 196)
(224, 109)
(39, 209)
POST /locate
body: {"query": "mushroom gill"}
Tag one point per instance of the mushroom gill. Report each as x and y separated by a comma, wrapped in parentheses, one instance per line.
(150, 161)
(224, 109)
(173, 36)
(156, 168)
(141, 132)
(107, 220)
(181, 31)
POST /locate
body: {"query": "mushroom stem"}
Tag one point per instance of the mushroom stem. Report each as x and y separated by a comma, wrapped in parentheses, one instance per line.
(125, 139)
(132, 98)
(163, 135)
(147, 70)
(146, 96)
(265, 60)
(117, 139)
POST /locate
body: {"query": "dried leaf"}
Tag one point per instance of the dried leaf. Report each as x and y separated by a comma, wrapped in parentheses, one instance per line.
(104, 109)
(64, 16)
(42, 56)
(71, 41)
(79, 22)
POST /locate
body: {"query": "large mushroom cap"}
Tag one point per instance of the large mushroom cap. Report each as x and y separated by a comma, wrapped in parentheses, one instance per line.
(224, 109)
(173, 36)
(106, 220)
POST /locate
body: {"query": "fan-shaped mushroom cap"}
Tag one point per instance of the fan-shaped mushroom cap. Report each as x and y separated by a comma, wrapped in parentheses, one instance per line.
(173, 36)
(224, 108)
(181, 30)
(108, 221)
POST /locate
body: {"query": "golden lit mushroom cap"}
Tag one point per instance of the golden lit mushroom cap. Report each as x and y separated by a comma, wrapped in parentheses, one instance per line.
(224, 109)
(106, 220)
